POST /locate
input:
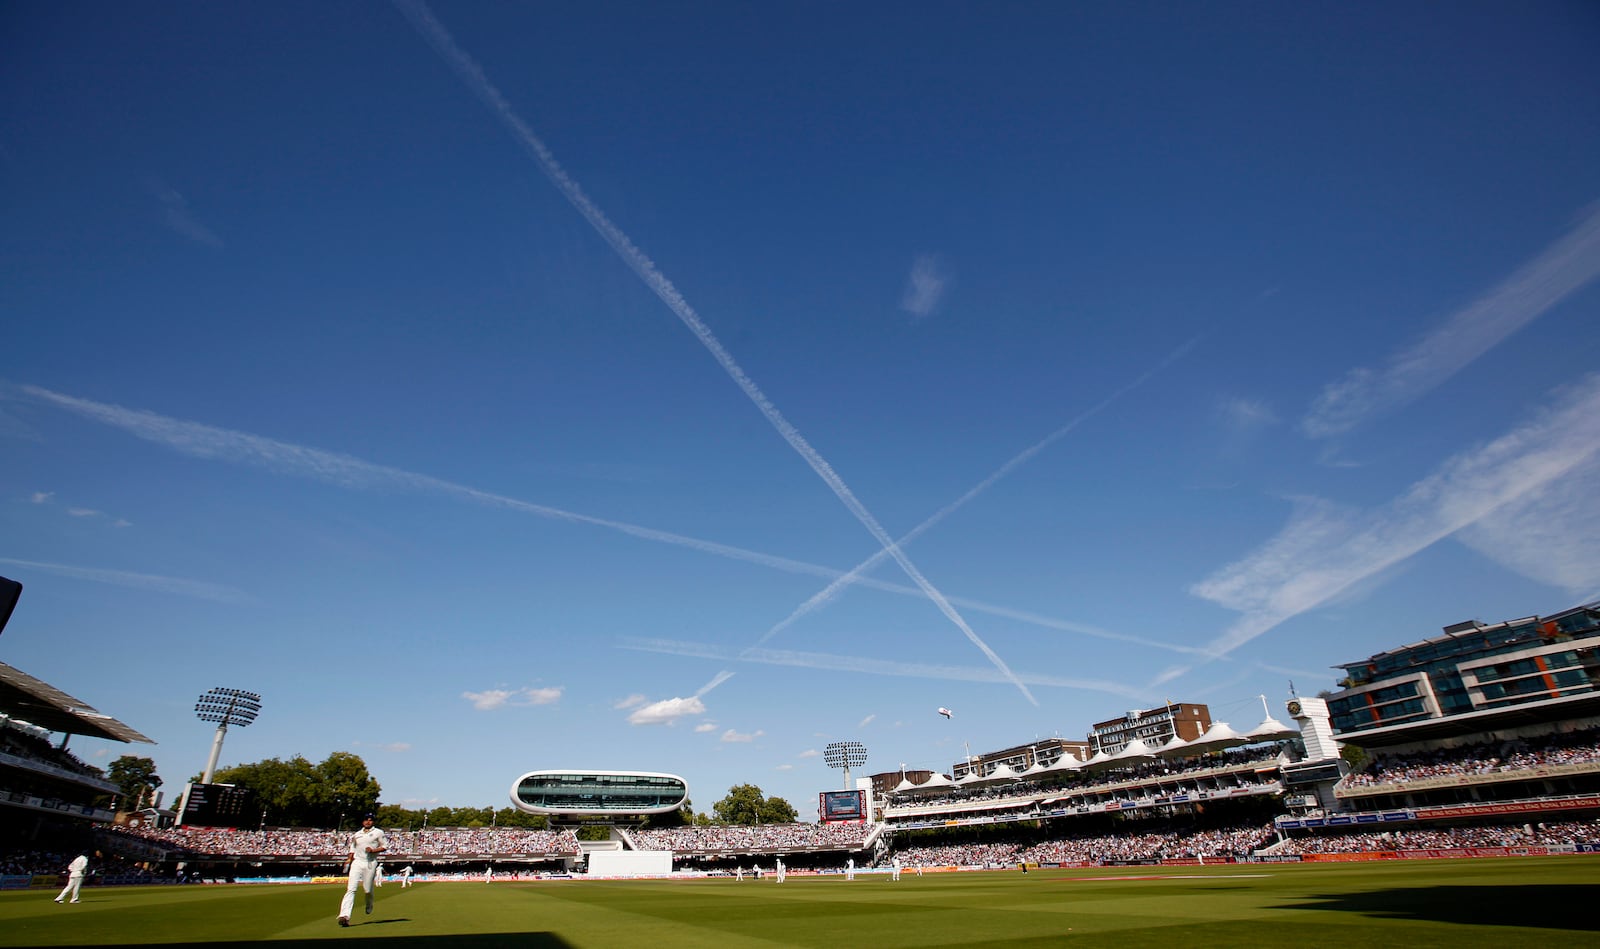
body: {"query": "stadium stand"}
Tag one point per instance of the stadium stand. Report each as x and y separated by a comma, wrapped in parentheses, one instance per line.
(1467, 753)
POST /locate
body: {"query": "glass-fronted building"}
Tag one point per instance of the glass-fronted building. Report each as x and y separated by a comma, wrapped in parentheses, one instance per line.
(1475, 677)
(598, 793)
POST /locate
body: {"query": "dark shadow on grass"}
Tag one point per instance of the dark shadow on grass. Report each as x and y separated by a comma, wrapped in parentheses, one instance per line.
(463, 941)
(1551, 906)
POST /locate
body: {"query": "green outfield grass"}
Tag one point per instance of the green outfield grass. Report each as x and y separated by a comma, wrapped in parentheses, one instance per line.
(1543, 901)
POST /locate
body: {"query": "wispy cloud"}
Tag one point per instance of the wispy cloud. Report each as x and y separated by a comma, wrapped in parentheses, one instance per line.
(784, 767)
(866, 721)
(48, 497)
(809, 753)
(1243, 414)
(704, 727)
(179, 217)
(472, 73)
(1533, 535)
(633, 701)
(1325, 549)
(153, 583)
(491, 699)
(881, 667)
(731, 736)
(667, 711)
(924, 287)
(1537, 286)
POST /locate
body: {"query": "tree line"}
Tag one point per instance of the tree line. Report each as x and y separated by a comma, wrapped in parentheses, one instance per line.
(338, 791)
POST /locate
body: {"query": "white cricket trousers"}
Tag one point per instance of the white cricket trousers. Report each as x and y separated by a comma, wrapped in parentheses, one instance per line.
(362, 873)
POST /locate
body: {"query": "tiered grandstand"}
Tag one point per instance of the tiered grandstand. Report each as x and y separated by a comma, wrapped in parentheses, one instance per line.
(1482, 742)
(50, 801)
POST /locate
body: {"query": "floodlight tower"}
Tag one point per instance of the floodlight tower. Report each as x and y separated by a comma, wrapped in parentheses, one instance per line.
(225, 707)
(846, 755)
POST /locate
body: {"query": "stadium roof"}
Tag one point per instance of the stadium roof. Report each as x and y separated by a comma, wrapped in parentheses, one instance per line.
(22, 696)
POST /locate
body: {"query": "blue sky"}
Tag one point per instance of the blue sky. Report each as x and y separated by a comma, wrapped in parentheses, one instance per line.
(513, 386)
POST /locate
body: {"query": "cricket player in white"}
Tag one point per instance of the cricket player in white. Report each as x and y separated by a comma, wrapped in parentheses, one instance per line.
(365, 846)
(75, 871)
(894, 866)
(405, 876)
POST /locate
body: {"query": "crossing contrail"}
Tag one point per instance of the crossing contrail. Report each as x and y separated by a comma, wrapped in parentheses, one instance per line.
(433, 31)
(829, 592)
(199, 440)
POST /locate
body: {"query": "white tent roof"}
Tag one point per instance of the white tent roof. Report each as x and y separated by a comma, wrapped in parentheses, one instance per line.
(1135, 750)
(1270, 729)
(936, 781)
(1219, 735)
(1001, 772)
(1066, 762)
(1174, 748)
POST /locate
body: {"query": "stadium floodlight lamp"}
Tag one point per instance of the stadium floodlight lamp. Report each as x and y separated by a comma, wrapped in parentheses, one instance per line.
(225, 707)
(228, 707)
(846, 755)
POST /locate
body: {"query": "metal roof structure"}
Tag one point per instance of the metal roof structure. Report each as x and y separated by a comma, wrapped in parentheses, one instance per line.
(39, 703)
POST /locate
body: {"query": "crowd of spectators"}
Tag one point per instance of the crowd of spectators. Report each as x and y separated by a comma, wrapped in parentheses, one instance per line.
(760, 838)
(30, 861)
(1208, 773)
(1448, 838)
(1153, 844)
(330, 844)
(1582, 747)
(21, 741)
(725, 844)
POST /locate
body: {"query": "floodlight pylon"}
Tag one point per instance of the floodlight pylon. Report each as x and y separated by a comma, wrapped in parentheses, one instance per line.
(846, 755)
(225, 707)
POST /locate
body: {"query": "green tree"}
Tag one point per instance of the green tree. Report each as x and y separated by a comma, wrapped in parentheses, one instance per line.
(1355, 757)
(776, 810)
(745, 804)
(137, 779)
(296, 793)
(678, 818)
(511, 817)
(393, 815)
(345, 789)
(472, 817)
(285, 789)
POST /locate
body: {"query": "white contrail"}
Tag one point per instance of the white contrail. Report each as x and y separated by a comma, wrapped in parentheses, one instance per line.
(1559, 271)
(139, 581)
(219, 444)
(423, 19)
(208, 442)
(1323, 551)
(882, 667)
(828, 593)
